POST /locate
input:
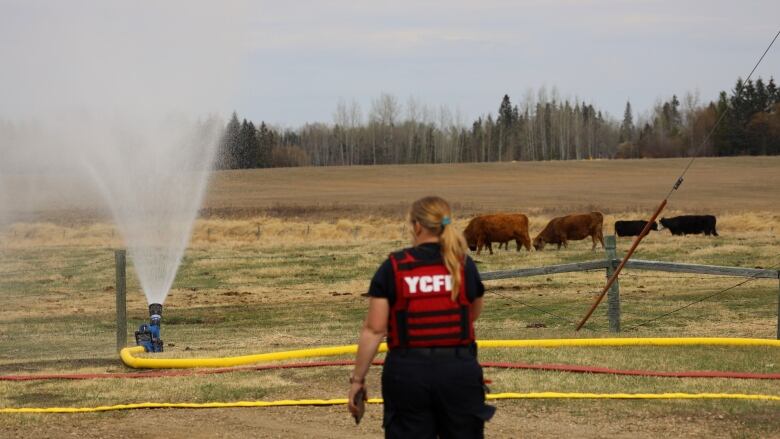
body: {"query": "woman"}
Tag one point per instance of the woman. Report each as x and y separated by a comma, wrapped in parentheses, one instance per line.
(425, 300)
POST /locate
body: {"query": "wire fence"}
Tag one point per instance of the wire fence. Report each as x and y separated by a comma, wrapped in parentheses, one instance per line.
(702, 299)
(542, 311)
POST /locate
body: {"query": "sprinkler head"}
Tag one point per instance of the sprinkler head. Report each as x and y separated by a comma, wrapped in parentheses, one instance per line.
(155, 313)
(148, 334)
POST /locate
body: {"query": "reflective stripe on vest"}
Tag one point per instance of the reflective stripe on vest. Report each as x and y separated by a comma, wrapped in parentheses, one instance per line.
(424, 314)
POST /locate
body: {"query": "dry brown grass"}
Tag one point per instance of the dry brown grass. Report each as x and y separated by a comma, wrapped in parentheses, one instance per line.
(266, 230)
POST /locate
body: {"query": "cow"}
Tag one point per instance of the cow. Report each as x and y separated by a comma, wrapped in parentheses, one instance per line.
(483, 230)
(562, 229)
(632, 228)
(690, 225)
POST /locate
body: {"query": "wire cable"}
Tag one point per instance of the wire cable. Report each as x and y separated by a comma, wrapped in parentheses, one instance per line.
(699, 300)
(534, 307)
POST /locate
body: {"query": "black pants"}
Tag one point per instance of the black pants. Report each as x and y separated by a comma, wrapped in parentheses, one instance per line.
(434, 396)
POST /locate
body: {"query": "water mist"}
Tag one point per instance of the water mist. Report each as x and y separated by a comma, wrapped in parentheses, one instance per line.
(154, 184)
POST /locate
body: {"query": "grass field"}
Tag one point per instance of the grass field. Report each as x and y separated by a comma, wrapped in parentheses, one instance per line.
(282, 256)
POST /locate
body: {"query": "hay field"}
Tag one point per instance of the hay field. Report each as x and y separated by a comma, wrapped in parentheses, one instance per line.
(273, 275)
(713, 184)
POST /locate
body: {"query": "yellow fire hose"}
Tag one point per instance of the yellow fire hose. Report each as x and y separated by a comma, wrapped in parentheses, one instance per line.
(127, 354)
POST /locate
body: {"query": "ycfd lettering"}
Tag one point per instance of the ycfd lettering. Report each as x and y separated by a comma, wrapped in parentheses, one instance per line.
(429, 284)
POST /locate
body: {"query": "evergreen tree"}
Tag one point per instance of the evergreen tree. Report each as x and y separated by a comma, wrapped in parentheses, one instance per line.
(721, 138)
(762, 100)
(505, 122)
(228, 145)
(627, 127)
(476, 140)
(675, 117)
(248, 146)
(773, 93)
(265, 140)
(506, 113)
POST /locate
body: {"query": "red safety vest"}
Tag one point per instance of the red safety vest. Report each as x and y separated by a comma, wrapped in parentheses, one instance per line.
(424, 314)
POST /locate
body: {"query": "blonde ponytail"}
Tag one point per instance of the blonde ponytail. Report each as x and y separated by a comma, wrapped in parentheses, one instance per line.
(434, 214)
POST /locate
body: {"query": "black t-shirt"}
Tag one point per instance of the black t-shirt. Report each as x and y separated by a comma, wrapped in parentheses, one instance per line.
(383, 283)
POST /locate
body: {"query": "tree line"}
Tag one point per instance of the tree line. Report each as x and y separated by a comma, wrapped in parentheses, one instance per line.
(749, 125)
(541, 127)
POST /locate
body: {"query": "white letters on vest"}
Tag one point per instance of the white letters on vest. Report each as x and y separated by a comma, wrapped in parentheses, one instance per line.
(429, 284)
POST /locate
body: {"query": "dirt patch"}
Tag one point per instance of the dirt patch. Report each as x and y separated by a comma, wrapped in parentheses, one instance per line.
(513, 419)
(41, 399)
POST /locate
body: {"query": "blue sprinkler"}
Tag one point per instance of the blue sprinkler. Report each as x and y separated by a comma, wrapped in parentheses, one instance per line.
(148, 334)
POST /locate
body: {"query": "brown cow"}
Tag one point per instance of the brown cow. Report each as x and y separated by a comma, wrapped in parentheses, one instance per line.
(483, 230)
(562, 229)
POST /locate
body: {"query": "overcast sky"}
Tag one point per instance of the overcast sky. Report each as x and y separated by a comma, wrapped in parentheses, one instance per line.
(290, 62)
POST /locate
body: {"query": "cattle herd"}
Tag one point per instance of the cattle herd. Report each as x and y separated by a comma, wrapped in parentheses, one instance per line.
(482, 231)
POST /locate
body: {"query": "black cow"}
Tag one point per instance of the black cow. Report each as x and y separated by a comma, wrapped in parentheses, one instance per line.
(690, 225)
(632, 228)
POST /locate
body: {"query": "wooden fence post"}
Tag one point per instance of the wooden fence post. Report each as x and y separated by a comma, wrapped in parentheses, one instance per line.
(778, 305)
(613, 296)
(120, 259)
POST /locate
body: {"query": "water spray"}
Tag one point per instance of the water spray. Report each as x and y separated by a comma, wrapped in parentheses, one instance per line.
(148, 334)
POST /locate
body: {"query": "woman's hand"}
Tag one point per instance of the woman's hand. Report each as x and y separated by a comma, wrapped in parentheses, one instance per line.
(354, 388)
(374, 329)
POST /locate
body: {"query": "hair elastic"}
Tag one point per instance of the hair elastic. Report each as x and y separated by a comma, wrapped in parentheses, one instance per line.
(446, 221)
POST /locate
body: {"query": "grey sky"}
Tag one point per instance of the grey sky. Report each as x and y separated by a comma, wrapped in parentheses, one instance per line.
(290, 62)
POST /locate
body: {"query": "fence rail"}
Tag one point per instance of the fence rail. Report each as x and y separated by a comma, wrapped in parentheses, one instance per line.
(541, 271)
(717, 270)
(637, 264)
